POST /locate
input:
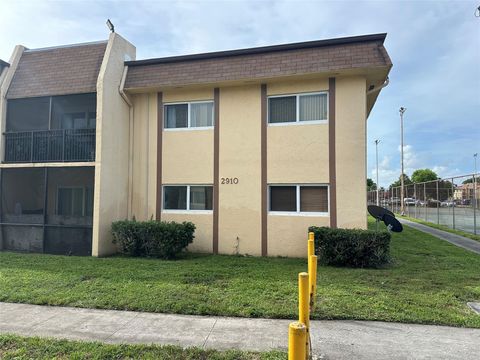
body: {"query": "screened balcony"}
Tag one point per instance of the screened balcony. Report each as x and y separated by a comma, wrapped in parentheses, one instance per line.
(51, 129)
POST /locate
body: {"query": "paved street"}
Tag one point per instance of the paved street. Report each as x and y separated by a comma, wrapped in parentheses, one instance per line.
(330, 339)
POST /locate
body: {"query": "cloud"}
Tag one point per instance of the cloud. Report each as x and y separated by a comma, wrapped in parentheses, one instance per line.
(434, 47)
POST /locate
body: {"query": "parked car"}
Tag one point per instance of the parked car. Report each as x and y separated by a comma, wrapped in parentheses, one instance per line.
(447, 204)
(433, 203)
(410, 201)
(395, 200)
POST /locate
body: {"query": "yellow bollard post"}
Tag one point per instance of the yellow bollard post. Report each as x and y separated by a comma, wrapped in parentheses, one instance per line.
(304, 306)
(297, 335)
(312, 277)
(311, 245)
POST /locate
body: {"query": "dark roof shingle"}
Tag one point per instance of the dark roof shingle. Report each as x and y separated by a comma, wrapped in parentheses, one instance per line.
(58, 71)
(283, 60)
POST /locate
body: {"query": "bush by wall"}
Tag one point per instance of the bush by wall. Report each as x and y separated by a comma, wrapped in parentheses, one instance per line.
(152, 238)
(352, 247)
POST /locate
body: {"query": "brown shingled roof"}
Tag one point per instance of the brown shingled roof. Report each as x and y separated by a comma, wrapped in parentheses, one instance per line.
(256, 63)
(58, 71)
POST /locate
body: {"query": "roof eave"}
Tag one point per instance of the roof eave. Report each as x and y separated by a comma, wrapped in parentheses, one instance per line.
(262, 50)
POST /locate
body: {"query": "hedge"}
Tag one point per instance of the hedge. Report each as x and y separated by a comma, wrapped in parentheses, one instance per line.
(352, 247)
(152, 238)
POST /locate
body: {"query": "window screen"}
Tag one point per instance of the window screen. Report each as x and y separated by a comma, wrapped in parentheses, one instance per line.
(176, 116)
(313, 107)
(74, 111)
(70, 196)
(23, 195)
(201, 114)
(70, 201)
(313, 199)
(201, 197)
(175, 198)
(28, 114)
(283, 198)
(282, 109)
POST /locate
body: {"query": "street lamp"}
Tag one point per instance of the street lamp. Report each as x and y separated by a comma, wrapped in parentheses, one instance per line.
(475, 193)
(402, 194)
(378, 186)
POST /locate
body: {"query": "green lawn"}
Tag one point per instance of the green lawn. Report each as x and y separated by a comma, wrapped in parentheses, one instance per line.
(444, 228)
(430, 282)
(23, 348)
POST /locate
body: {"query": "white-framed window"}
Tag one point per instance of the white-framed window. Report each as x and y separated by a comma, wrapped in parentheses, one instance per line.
(74, 201)
(306, 199)
(298, 108)
(195, 198)
(188, 115)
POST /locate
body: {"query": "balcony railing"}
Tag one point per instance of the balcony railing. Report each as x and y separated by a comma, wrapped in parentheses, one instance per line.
(50, 145)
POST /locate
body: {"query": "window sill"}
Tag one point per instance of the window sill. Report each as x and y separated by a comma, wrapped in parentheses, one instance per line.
(294, 213)
(296, 123)
(188, 212)
(199, 128)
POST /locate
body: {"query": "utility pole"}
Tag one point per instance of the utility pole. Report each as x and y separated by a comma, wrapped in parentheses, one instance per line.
(378, 185)
(402, 190)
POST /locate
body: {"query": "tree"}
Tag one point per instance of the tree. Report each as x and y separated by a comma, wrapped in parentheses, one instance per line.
(371, 185)
(406, 181)
(469, 181)
(424, 175)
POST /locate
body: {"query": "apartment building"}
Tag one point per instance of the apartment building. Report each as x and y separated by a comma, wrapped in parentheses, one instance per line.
(251, 145)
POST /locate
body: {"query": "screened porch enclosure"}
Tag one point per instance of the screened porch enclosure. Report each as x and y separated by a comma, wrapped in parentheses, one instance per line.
(47, 210)
(55, 128)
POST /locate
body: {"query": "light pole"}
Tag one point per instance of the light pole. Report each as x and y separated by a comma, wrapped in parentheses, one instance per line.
(402, 194)
(475, 178)
(378, 185)
(475, 193)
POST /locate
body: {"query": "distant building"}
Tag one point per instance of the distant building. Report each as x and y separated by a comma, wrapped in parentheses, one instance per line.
(466, 191)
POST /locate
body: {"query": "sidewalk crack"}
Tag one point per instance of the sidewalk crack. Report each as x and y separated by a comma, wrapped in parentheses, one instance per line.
(122, 326)
(210, 332)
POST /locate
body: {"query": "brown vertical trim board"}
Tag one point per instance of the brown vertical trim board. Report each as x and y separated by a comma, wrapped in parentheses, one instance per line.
(216, 164)
(159, 155)
(331, 152)
(263, 136)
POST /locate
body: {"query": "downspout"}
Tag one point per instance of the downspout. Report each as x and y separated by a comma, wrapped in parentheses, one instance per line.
(380, 87)
(127, 99)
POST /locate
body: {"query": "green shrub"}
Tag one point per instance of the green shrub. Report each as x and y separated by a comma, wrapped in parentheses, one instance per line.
(152, 238)
(352, 247)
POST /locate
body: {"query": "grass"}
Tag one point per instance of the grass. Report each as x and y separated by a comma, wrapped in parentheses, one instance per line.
(444, 228)
(23, 348)
(429, 282)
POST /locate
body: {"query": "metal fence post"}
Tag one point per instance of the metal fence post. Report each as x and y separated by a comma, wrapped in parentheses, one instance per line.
(438, 206)
(474, 180)
(425, 199)
(391, 199)
(453, 206)
(415, 196)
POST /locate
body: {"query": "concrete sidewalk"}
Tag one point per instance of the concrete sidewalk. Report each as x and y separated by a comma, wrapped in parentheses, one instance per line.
(454, 239)
(330, 339)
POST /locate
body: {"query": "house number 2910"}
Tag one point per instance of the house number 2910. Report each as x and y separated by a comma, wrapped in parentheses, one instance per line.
(229, 181)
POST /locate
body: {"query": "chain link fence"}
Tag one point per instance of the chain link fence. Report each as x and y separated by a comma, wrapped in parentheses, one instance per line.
(453, 202)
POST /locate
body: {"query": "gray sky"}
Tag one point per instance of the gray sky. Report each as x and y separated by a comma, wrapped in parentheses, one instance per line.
(434, 45)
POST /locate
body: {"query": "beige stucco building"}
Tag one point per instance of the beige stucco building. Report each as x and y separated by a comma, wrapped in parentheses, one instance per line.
(251, 145)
